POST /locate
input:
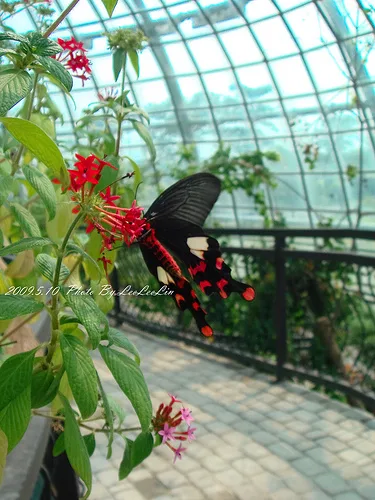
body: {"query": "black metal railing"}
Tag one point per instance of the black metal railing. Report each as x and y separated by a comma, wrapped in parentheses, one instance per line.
(313, 318)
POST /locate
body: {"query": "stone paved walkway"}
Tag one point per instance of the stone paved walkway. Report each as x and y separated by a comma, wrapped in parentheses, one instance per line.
(255, 440)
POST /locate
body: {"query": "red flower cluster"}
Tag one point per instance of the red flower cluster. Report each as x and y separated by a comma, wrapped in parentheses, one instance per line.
(74, 58)
(113, 223)
(165, 425)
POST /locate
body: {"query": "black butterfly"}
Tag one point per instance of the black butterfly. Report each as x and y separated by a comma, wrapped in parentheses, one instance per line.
(175, 221)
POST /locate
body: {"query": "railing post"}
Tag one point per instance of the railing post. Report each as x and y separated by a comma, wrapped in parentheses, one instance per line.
(280, 312)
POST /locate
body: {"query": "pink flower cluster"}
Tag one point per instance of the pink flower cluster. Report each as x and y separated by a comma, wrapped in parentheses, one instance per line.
(167, 425)
(74, 58)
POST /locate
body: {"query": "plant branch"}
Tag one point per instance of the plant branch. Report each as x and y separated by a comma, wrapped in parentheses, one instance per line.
(60, 19)
(120, 115)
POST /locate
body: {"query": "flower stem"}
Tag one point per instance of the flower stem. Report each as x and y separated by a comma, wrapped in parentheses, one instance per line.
(60, 19)
(55, 284)
(120, 115)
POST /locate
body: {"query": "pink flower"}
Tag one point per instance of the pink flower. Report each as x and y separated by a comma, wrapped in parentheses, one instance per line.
(186, 415)
(178, 453)
(190, 433)
(167, 433)
(173, 399)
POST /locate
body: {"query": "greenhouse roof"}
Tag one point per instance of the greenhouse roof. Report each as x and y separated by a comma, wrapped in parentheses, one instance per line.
(291, 76)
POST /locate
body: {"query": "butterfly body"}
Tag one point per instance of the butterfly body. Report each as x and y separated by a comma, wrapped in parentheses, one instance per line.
(174, 233)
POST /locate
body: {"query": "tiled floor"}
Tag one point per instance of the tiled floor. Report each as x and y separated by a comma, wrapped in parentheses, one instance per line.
(255, 440)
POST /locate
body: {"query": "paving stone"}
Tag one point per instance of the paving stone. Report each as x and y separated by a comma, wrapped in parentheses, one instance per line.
(321, 455)
(350, 495)
(284, 494)
(264, 438)
(331, 483)
(248, 467)
(298, 483)
(300, 427)
(353, 471)
(132, 493)
(331, 416)
(268, 483)
(214, 464)
(228, 453)
(201, 478)
(186, 493)
(248, 491)
(218, 492)
(366, 487)
(312, 407)
(99, 492)
(108, 477)
(235, 438)
(255, 450)
(343, 435)
(171, 478)
(304, 416)
(354, 456)
(284, 451)
(364, 446)
(150, 487)
(316, 495)
(308, 467)
(229, 477)
(247, 428)
(331, 444)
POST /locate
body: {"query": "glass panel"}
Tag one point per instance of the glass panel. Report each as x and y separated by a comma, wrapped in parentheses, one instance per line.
(179, 58)
(259, 10)
(222, 88)
(202, 125)
(153, 95)
(280, 43)
(241, 46)
(309, 27)
(212, 57)
(272, 123)
(192, 92)
(289, 193)
(288, 159)
(299, 84)
(325, 192)
(328, 68)
(256, 83)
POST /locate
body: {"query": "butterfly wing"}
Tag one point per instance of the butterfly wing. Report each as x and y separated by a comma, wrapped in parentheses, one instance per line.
(162, 265)
(190, 199)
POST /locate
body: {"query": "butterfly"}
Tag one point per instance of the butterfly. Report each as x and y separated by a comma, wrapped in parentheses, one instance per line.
(173, 234)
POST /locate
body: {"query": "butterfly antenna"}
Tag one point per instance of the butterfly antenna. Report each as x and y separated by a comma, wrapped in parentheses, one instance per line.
(126, 176)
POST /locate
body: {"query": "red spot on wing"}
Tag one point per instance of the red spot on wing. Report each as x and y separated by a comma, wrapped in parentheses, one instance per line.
(249, 293)
(207, 331)
(179, 298)
(200, 268)
(204, 284)
(221, 284)
(219, 263)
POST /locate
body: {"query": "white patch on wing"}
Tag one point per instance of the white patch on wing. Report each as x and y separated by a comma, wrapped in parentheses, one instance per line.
(163, 276)
(198, 243)
(198, 253)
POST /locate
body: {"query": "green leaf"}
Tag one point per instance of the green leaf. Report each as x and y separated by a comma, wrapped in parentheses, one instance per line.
(56, 69)
(15, 84)
(134, 59)
(6, 185)
(25, 244)
(126, 463)
(117, 410)
(75, 447)
(43, 46)
(73, 248)
(81, 374)
(40, 385)
(137, 173)
(15, 418)
(9, 35)
(118, 62)
(47, 266)
(3, 453)
(143, 132)
(130, 379)
(108, 416)
(40, 145)
(24, 218)
(89, 314)
(12, 306)
(1, 239)
(142, 448)
(59, 446)
(44, 187)
(15, 376)
(110, 6)
(118, 338)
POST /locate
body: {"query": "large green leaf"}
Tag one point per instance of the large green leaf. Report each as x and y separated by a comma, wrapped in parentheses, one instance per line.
(130, 379)
(3, 453)
(143, 132)
(126, 462)
(41, 45)
(12, 306)
(142, 448)
(76, 449)
(44, 187)
(47, 266)
(24, 218)
(59, 446)
(6, 185)
(15, 376)
(108, 416)
(44, 387)
(110, 6)
(40, 145)
(25, 244)
(15, 84)
(57, 70)
(118, 62)
(134, 59)
(81, 374)
(10, 35)
(89, 314)
(118, 338)
(15, 418)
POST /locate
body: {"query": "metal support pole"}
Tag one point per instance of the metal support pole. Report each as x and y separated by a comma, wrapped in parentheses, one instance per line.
(280, 312)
